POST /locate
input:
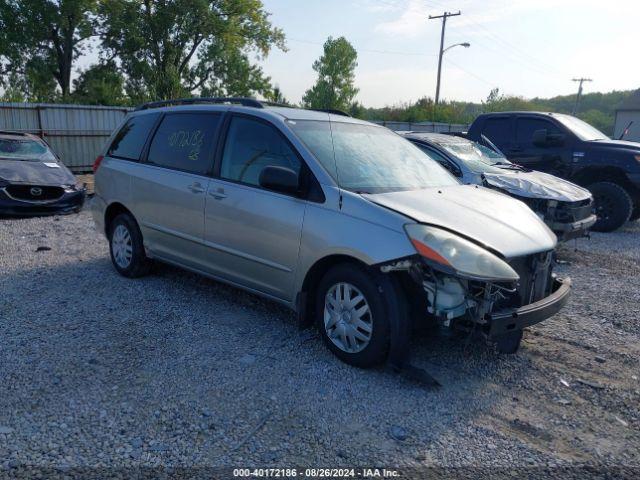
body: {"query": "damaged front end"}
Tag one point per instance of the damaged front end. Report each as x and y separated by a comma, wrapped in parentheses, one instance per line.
(567, 209)
(481, 293)
(568, 220)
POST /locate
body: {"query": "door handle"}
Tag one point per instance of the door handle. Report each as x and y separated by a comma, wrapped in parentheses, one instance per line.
(196, 188)
(218, 194)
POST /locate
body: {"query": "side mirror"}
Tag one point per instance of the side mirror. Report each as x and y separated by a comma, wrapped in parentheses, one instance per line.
(540, 138)
(279, 179)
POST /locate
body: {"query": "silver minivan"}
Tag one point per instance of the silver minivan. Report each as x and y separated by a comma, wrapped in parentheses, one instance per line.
(344, 221)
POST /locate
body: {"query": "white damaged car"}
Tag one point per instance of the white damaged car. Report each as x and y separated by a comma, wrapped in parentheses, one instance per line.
(564, 206)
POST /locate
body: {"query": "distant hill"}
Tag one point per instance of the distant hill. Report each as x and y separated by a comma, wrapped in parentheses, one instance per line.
(597, 108)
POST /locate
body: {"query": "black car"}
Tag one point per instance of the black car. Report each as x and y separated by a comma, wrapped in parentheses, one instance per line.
(567, 147)
(33, 181)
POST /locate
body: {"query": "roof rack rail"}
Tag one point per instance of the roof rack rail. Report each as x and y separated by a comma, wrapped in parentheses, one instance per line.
(332, 111)
(244, 101)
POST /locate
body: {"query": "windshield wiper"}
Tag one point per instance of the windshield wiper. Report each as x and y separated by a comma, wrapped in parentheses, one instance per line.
(512, 166)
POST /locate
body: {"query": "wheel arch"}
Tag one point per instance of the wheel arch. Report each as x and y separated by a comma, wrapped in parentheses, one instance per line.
(111, 212)
(590, 175)
(305, 302)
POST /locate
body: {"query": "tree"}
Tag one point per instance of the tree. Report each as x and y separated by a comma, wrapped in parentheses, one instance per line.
(170, 49)
(277, 96)
(41, 39)
(100, 84)
(335, 85)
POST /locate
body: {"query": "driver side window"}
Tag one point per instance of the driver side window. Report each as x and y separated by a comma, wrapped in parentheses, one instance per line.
(252, 145)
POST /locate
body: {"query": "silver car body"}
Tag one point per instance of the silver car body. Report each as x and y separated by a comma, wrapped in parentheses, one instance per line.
(267, 242)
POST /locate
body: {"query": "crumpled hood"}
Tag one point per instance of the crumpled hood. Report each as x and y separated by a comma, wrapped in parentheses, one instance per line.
(493, 219)
(537, 185)
(38, 173)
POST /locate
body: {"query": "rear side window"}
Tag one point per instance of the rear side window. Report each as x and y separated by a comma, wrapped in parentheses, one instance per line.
(130, 140)
(251, 146)
(184, 141)
(526, 126)
(498, 130)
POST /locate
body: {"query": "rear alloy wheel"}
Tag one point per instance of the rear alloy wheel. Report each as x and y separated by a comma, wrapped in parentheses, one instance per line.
(126, 247)
(351, 312)
(613, 206)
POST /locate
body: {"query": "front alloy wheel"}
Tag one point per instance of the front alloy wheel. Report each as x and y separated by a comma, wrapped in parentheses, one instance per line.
(347, 318)
(353, 310)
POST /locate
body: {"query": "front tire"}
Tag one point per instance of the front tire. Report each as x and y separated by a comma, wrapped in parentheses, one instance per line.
(352, 315)
(126, 247)
(613, 206)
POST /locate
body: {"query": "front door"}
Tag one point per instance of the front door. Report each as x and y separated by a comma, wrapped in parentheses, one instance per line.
(549, 158)
(169, 189)
(254, 234)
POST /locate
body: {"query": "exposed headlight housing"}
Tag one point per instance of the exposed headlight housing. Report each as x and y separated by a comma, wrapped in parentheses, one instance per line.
(452, 252)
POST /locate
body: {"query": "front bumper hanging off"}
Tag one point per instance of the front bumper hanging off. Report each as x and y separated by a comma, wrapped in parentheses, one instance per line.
(509, 320)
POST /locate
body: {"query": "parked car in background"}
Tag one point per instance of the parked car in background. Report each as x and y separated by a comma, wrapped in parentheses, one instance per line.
(33, 181)
(343, 221)
(567, 147)
(565, 207)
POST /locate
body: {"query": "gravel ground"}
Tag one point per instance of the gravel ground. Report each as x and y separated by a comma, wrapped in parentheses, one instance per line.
(176, 370)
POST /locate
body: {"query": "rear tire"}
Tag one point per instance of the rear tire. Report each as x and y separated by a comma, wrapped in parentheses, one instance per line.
(126, 247)
(366, 338)
(613, 206)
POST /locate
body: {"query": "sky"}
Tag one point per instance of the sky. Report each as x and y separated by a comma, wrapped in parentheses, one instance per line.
(526, 48)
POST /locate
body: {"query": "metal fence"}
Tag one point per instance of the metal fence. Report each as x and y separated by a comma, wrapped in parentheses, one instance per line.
(75, 132)
(431, 127)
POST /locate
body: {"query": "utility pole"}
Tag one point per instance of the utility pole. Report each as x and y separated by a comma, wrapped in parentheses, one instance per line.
(581, 80)
(444, 17)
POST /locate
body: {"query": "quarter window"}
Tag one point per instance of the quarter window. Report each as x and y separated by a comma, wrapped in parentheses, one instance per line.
(251, 146)
(130, 140)
(184, 141)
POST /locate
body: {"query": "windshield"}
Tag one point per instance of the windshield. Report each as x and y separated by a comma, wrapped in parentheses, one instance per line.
(24, 149)
(478, 158)
(370, 159)
(583, 130)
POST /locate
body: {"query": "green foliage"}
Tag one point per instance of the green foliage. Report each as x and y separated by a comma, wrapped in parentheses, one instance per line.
(598, 109)
(101, 84)
(335, 85)
(176, 48)
(41, 39)
(276, 96)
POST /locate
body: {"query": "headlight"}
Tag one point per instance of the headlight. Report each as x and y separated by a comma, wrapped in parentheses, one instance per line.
(455, 253)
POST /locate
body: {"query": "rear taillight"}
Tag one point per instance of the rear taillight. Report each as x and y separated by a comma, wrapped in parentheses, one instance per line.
(97, 162)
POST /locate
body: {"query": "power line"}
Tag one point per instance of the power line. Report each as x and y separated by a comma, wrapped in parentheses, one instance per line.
(468, 72)
(508, 48)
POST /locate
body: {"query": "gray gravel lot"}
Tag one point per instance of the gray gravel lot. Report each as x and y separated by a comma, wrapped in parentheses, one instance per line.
(178, 370)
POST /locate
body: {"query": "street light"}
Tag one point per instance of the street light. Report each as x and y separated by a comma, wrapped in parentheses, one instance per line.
(465, 45)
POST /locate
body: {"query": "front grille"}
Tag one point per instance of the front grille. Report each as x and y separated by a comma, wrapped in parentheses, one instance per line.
(569, 212)
(34, 193)
(535, 275)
